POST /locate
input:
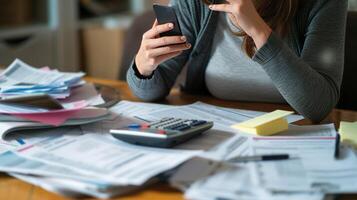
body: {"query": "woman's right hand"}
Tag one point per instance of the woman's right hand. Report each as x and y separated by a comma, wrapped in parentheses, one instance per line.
(155, 50)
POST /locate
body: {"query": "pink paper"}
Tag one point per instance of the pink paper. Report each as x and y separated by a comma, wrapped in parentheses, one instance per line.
(53, 117)
(46, 68)
(89, 113)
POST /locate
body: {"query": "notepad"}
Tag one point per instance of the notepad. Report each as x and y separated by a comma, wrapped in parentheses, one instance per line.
(265, 125)
(348, 131)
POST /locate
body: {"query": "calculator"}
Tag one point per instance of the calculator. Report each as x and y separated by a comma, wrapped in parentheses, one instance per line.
(163, 133)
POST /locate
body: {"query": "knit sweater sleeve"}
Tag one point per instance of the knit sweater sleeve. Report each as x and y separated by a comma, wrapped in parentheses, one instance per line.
(310, 82)
(159, 85)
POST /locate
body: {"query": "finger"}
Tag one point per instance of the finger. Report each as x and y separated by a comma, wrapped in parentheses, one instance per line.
(165, 41)
(166, 57)
(156, 23)
(168, 50)
(221, 7)
(156, 30)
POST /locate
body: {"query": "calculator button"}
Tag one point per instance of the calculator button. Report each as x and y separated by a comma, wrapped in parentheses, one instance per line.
(160, 122)
(197, 123)
(170, 127)
(182, 127)
(176, 127)
(163, 132)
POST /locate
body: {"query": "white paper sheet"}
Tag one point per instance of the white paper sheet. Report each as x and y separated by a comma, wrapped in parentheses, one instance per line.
(20, 72)
(74, 189)
(5, 146)
(86, 92)
(20, 78)
(321, 173)
(13, 163)
(314, 170)
(109, 160)
(136, 109)
(301, 141)
(237, 184)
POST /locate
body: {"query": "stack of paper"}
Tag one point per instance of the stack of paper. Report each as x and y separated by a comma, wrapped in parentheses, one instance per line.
(303, 177)
(312, 173)
(20, 78)
(86, 160)
(236, 183)
(23, 114)
(83, 116)
(44, 116)
(35, 98)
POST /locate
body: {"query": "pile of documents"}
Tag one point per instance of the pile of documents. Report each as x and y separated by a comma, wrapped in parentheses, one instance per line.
(86, 160)
(313, 172)
(20, 78)
(41, 98)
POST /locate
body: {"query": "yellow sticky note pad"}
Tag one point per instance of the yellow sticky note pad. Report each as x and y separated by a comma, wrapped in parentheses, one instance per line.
(348, 131)
(265, 125)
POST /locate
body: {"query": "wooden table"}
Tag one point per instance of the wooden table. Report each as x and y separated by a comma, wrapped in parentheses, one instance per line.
(13, 189)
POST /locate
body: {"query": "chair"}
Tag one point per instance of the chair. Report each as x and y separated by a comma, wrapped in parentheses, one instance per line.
(348, 98)
(141, 24)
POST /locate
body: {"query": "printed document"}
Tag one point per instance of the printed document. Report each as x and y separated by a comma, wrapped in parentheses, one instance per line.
(75, 189)
(20, 72)
(237, 184)
(110, 160)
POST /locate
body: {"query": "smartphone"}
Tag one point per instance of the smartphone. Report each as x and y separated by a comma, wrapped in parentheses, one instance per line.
(166, 14)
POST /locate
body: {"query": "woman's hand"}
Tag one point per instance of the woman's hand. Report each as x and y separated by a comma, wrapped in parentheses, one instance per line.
(245, 16)
(155, 49)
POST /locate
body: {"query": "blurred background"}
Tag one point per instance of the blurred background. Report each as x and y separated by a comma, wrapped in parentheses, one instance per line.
(94, 36)
(71, 35)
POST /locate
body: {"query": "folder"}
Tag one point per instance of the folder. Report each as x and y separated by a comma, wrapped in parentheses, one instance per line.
(265, 125)
(348, 131)
(36, 100)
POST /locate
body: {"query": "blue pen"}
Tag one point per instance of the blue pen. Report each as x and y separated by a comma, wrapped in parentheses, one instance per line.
(134, 126)
(21, 141)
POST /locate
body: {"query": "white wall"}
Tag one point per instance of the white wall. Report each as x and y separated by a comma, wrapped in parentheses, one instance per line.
(353, 4)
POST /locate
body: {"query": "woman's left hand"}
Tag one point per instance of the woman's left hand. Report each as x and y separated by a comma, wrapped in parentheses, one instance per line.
(245, 16)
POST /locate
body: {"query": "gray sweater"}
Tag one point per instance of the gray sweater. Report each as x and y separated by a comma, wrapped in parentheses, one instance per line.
(231, 74)
(306, 68)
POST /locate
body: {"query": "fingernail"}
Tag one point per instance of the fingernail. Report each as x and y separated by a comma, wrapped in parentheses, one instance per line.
(210, 6)
(171, 25)
(183, 38)
(188, 45)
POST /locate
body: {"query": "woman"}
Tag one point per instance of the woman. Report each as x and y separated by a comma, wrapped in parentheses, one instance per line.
(249, 50)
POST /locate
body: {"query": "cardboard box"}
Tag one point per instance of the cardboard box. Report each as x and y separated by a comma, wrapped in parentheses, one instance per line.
(102, 51)
(15, 12)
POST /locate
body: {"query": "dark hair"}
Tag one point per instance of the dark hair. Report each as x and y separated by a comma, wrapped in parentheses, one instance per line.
(278, 14)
